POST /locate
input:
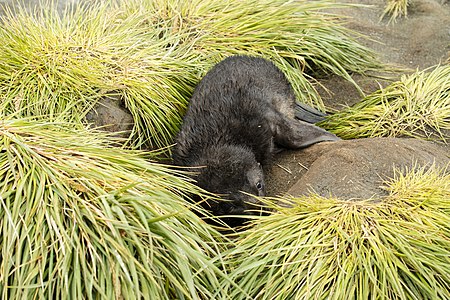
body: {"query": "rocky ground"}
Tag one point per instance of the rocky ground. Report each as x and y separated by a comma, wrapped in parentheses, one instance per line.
(357, 169)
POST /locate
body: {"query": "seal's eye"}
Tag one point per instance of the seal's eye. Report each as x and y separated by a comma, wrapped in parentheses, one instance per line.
(259, 185)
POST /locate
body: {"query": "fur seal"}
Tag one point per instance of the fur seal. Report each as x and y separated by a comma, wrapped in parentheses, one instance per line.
(240, 111)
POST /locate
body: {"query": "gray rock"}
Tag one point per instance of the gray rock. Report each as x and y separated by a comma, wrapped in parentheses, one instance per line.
(109, 114)
(357, 169)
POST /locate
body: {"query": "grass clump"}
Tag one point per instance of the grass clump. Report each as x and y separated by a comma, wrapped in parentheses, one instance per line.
(324, 248)
(418, 187)
(417, 105)
(80, 219)
(395, 8)
(152, 53)
(59, 66)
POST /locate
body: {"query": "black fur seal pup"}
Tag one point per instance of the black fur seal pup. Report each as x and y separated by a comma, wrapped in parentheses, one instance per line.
(239, 111)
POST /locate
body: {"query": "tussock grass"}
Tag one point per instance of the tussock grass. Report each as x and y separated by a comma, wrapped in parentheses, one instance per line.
(152, 53)
(80, 219)
(395, 8)
(417, 105)
(323, 248)
(58, 67)
(422, 188)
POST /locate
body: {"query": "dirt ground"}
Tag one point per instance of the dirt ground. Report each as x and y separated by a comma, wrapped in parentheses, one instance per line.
(357, 169)
(420, 41)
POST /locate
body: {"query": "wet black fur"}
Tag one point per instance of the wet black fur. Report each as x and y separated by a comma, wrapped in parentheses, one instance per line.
(238, 112)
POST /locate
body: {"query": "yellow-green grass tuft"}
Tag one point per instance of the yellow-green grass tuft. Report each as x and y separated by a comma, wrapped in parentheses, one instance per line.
(417, 105)
(152, 53)
(422, 188)
(324, 248)
(396, 9)
(59, 66)
(80, 219)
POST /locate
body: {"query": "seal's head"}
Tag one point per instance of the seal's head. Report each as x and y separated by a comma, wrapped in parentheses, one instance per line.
(233, 173)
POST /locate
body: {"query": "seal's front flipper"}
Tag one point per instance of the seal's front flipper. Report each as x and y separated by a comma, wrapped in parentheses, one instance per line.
(308, 114)
(295, 134)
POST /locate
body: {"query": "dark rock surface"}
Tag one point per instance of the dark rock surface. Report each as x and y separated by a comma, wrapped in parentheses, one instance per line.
(353, 169)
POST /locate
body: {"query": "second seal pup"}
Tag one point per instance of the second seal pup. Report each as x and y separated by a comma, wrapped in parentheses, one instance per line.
(239, 111)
